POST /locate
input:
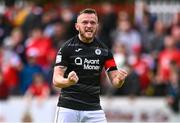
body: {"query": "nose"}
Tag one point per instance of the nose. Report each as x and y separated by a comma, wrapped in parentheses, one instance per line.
(89, 24)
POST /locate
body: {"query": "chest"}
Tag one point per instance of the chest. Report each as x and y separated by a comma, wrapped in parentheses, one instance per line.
(83, 58)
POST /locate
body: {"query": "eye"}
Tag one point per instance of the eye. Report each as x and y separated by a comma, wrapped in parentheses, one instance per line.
(88, 22)
(92, 22)
(84, 22)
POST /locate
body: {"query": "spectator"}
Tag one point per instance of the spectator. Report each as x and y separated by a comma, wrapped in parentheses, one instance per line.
(144, 19)
(43, 46)
(175, 33)
(107, 24)
(28, 70)
(156, 39)
(69, 19)
(20, 14)
(5, 28)
(166, 56)
(33, 19)
(49, 18)
(176, 19)
(173, 98)
(58, 35)
(154, 42)
(10, 11)
(15, 42)
(39, 87)
(10, 65)
(142, 69)
(125, 34)
(120, 54)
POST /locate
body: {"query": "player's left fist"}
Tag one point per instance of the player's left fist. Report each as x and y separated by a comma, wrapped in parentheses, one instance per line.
(120, 77)
(122, 74)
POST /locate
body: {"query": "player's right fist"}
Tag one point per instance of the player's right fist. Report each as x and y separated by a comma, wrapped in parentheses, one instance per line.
(73, 78)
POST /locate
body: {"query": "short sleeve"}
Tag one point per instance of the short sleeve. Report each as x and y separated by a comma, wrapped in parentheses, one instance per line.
(62, 57)
(110, 64)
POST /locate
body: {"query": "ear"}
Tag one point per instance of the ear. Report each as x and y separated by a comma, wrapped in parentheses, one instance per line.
(97, 25)
(77, 26)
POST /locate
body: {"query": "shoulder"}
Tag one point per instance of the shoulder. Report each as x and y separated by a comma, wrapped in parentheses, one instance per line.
(101, 44)
(69, 43)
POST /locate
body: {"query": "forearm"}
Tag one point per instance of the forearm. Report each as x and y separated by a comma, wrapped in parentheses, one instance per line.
(60, 81)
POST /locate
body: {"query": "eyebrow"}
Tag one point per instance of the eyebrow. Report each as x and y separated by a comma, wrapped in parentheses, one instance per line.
(91, 21)
(87, 13)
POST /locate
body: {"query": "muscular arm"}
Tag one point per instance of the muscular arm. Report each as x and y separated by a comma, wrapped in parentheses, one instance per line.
(117, 77)
(59, 80)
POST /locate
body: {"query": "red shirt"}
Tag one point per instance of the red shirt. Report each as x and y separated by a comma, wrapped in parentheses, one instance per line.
(165, 58)
(39, 90)
(10, 75)
(44, 48)
(142, 69)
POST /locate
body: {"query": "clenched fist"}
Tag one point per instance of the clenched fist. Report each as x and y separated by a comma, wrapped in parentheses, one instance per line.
(73, 78)
(120, 77)
(121, 74)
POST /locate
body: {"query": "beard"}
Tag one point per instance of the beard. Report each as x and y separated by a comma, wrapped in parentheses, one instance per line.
(87, 37)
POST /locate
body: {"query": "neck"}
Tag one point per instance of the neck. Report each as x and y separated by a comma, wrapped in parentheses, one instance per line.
(84, 39)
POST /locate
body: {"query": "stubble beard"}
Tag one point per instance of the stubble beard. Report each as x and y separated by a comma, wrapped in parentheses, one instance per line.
(86, 39)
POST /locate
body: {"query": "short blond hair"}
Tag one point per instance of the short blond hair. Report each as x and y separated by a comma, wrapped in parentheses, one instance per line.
(88, 11)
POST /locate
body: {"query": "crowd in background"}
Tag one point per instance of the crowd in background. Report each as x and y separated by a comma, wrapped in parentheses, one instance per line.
(31, 35)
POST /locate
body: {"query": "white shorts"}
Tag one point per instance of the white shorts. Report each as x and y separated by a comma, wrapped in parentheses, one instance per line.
(66, 115)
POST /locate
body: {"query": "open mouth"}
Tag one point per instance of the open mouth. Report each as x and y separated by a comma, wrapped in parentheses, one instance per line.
(89, 31)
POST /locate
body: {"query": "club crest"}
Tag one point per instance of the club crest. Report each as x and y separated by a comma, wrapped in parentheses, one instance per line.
(98, 51)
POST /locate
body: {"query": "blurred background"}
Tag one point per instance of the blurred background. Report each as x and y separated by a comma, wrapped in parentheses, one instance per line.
(144, 37)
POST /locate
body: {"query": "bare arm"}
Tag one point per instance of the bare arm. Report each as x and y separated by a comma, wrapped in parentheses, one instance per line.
(117, 77)
(59, 80)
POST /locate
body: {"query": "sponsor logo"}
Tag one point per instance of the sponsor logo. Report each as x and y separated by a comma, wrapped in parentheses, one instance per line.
(78, 61)
(79, 49)
(88, 64)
